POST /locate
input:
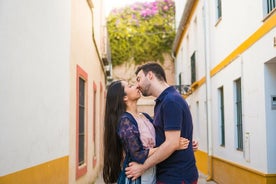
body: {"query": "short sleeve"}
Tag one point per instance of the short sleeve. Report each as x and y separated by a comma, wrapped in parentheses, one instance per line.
(172, 116)
(130, 137)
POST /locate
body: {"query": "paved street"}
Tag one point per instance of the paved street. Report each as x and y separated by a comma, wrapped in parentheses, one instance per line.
(201, 180)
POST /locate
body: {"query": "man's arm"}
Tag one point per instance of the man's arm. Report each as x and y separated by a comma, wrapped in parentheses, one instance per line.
(164, 151)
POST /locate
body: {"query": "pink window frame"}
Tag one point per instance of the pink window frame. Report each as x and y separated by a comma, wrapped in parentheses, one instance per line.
(82, 169)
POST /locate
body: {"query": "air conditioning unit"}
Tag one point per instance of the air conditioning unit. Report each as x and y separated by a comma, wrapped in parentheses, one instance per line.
(105, 59)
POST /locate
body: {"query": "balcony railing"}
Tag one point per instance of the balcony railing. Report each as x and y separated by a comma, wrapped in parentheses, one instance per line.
(183, 89)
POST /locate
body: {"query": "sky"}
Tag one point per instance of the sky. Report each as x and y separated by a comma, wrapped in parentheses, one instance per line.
(111, 4)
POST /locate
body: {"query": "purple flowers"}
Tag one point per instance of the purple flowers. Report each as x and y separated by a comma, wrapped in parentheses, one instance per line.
(150, 9)
(137, 12)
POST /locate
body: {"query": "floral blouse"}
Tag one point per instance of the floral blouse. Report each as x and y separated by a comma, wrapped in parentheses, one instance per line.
(129, 134)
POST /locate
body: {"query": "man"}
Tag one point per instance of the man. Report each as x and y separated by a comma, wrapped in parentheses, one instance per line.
(172, 120)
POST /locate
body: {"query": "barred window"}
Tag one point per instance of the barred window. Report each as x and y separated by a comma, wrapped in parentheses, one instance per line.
(238, 110)
(193, 68)
(269, 5)
(219, 10)
(221, 116)
(81, 121)
(81, 124)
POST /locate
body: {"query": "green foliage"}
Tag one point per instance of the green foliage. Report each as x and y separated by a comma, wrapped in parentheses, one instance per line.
(141, 32)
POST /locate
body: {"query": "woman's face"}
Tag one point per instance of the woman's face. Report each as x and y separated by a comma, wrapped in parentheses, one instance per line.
(132, 92)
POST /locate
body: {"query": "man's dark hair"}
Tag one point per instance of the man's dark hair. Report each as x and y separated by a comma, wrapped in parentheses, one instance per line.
(154, 68)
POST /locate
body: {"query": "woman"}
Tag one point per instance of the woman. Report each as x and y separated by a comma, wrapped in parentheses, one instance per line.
(128, 135)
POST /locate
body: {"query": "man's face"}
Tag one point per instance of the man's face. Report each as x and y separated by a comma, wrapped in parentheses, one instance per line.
(143, 83)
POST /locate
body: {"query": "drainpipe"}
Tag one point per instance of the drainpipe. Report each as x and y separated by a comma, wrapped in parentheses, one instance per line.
(174, 62)
(208, 89)
(93, 35)
(172, 55)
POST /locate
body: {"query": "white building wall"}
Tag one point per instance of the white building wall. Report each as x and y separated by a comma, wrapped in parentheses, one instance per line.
(179, 8)
(270, 78)
(34, 78)
(178, 67)
(236, 25)
(252, 115)
(192, 42)
(259, 118)
(199, 116)
(250, 67)
(258, 79)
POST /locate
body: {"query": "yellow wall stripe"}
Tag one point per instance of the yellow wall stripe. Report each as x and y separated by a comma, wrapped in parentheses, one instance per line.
(264, 29)
(202, 161)
(228, 172)
(52, 172)
(267, 26)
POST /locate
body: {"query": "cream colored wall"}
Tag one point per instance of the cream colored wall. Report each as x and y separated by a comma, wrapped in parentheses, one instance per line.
(41, 44)
(84, 54)
(34, 92)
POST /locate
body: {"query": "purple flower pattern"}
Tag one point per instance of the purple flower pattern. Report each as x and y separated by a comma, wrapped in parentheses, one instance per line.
(130, 137)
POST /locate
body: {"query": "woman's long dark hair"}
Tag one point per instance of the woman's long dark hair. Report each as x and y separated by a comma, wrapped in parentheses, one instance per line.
(113, 150)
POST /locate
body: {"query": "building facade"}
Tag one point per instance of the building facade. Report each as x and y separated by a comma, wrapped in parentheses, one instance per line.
(225, 63)
(54, 68)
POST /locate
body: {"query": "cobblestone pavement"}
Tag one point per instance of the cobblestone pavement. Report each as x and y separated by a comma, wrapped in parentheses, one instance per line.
(201, 180)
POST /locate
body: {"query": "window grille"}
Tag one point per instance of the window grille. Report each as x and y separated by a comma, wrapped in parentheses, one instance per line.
(219, 10)
(193, 68)
(238, 107)
(81, 120)
(221, 114)
(270, 5)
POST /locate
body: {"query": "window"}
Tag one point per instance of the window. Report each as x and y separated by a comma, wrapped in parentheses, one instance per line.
(179, 87)
(81, 120)
(221, 116)
(238, 115)
(193, 68)
(81, 167)
(269, 5)
(219, 10)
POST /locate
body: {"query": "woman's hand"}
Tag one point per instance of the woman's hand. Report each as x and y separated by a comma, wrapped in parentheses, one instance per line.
(195, 145)
(183, 143)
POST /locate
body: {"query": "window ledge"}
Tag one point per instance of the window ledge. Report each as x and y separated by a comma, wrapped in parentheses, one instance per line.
(269, 15)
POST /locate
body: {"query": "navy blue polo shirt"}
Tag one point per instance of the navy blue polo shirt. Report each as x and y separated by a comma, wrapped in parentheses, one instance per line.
(171, 112)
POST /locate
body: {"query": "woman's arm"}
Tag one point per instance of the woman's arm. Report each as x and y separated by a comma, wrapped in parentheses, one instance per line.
(129, 135)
